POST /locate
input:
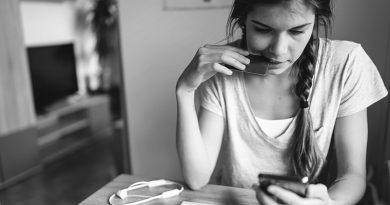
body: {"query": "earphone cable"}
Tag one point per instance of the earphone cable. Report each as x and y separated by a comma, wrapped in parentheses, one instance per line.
(122, 194)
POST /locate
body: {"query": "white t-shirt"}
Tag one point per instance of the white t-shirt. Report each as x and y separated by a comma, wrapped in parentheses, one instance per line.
(274, 128)
(345, 82)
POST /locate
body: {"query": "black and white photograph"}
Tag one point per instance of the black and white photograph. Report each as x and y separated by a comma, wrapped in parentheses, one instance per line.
(194, 102)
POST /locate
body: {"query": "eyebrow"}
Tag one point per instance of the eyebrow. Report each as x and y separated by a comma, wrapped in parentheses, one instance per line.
(265, 25)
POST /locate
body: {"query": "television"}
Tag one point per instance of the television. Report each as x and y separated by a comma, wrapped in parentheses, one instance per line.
(53, 74)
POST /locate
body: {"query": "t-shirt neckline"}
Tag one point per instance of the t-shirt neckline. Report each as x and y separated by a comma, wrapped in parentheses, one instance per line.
(279, 141)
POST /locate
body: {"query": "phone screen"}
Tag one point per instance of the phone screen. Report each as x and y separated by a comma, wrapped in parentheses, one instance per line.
(294, 184)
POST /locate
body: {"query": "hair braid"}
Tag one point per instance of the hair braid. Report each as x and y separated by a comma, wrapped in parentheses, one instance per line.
(305, 73)
(306, 159)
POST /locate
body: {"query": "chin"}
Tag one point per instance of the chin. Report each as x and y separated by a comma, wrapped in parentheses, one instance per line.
(278, 71)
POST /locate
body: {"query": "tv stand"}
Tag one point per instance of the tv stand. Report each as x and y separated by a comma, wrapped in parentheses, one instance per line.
(72, 124)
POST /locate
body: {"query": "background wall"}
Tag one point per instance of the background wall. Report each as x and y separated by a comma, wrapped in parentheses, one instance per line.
(156, 47)
(16, 104)
(368, 23)
(158, 44)
(47, 23)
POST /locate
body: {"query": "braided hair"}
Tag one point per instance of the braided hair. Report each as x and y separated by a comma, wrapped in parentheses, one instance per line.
(305, 156)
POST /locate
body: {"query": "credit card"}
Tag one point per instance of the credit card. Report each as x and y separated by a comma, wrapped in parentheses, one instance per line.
(256, 66)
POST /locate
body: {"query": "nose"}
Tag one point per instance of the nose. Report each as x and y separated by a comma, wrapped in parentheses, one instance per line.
(279, 46)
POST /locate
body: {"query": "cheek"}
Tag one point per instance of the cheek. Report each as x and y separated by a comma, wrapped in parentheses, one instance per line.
(297, 49)
(257, 42)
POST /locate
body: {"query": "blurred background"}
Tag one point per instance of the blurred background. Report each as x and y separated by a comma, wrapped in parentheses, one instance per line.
(87, 90)
(62, 127)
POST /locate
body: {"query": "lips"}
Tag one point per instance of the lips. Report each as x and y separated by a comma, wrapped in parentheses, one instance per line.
(272, 61)
(262, 58)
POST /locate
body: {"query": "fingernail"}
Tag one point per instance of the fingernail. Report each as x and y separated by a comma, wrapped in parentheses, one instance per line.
(271, 189)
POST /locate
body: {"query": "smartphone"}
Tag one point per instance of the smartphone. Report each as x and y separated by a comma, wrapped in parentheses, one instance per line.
(295, 184)
(256, 66)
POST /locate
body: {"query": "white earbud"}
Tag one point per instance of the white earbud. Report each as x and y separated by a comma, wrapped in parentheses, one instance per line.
(170, 193)
(122, 193)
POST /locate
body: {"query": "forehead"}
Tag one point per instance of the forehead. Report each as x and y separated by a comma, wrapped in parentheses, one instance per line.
(286, 12)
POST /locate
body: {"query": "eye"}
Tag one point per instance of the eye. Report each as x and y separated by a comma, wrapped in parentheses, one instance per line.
(263, 30)
(295, 32)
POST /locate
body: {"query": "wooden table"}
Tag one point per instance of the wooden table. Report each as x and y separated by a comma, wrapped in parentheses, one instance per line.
(210, 194)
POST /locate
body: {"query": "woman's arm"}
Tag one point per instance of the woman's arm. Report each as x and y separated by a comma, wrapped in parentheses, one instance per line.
(198, 141)
(351, 147)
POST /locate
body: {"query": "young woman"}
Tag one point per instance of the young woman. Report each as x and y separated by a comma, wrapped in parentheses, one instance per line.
(281, 122)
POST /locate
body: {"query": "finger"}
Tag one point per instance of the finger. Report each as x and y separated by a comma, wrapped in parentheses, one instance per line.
(217, 55)
(263, 198)
(284, 195)
(221, 69)
(227, 58)
(232, 62)
(318, 191)
(227, 47)
(237, 53)
(237, 56)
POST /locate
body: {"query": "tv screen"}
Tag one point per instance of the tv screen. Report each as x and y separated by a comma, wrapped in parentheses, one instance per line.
(53, 74)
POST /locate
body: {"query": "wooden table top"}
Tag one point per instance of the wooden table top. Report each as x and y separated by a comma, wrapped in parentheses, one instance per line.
(210, 194)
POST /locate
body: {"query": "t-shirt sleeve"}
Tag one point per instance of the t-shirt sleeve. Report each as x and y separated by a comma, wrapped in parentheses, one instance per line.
(362, 83)
(209, 97)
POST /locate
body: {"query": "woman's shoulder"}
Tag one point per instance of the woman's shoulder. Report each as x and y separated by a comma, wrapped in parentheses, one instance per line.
(340, 51)
(222, 81)
(339, 46)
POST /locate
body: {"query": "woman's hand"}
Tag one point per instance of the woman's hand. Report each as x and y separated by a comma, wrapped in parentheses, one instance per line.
(317, 194)
(209, 60)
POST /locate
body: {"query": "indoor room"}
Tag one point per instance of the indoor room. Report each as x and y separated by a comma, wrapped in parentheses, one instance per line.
(99, 96)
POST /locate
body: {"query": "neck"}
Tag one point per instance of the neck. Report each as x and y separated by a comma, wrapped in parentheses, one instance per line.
(283, 80)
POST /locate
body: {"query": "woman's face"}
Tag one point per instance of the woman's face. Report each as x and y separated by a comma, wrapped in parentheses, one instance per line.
(279, 33)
